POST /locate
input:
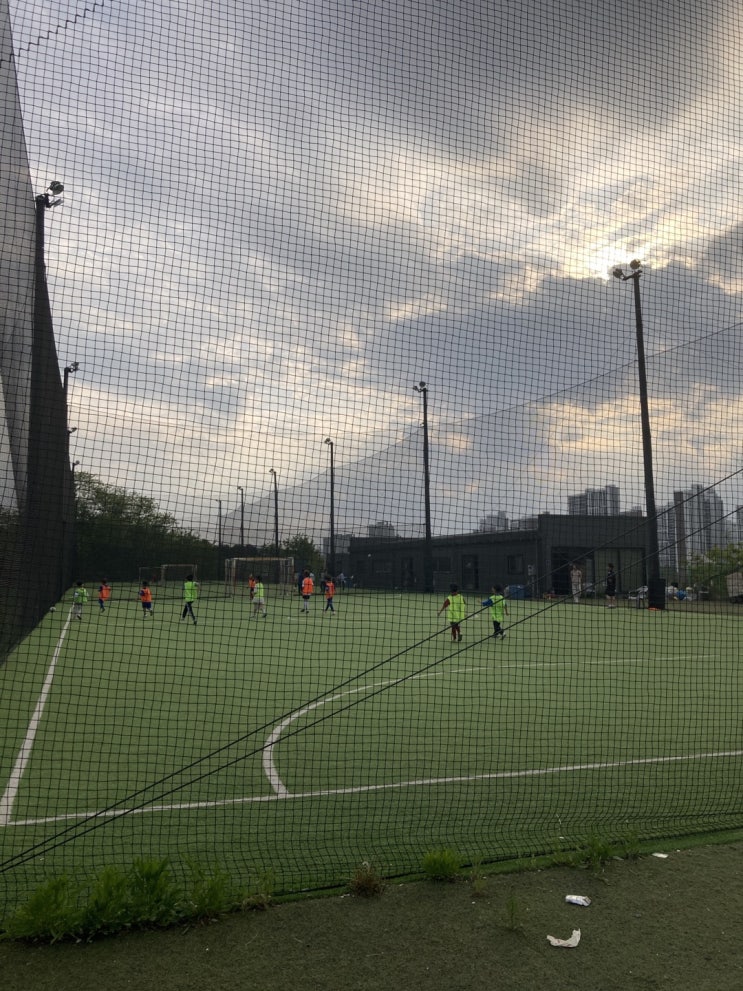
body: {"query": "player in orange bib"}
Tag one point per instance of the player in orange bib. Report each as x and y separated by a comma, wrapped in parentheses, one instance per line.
(308, 587)
(104, 594)
(329, 593)
(145, 597)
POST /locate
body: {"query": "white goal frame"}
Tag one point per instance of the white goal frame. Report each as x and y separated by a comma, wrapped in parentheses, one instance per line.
(276, 571)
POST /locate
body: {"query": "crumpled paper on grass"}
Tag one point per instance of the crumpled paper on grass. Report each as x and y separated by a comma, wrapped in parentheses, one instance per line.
(573, 941)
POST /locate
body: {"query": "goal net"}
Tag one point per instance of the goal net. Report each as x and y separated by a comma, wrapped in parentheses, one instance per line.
(167, 576)
(273, 571)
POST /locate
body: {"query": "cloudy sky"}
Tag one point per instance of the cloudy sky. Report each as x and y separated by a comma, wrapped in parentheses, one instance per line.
(279, 217)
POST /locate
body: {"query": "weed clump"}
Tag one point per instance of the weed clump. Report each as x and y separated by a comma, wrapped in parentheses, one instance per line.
(441, 865)
(366, 881)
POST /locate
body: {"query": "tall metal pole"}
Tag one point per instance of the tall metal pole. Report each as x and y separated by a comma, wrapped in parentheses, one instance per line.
(331, 562)
(219, 534)
(428, 546)
(275, 509)
(656, 595)
(242, 515)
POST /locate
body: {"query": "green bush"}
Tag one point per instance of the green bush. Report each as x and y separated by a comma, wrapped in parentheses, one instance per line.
(50, 914)
(144, 897)
(441, 865)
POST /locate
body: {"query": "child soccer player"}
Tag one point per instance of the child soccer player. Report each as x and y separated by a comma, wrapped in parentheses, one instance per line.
(104, 594)
(190, 594)
(498, 609)
(79, 598)
(329, 593)
(308, 587)
(456, 610)
(145, 597)
(251, 587)
(259, 598)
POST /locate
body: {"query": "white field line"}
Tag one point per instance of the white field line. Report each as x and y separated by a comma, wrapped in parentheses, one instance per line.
(14, 782)
(269, 765)
(388, 786)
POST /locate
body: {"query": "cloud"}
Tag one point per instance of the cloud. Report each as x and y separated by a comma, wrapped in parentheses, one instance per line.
(276, 223)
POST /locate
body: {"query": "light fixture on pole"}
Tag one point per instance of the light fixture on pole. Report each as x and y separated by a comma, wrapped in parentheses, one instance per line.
(272, 471)
(656, 585)
(331, 559)
(69, 370)
(242, 516)
(422, 390)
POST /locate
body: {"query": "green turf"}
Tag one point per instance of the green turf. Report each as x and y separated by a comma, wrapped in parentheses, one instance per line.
(584, 720)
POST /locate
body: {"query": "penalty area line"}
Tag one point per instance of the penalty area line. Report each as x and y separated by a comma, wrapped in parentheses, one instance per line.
(24, 754)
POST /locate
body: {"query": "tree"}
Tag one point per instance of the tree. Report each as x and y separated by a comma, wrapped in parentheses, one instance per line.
(120, 531)
(710, 570)
(305, 554)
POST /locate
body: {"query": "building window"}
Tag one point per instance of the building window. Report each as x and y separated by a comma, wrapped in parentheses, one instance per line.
(442, 564)
(382, 567)
(515, 564)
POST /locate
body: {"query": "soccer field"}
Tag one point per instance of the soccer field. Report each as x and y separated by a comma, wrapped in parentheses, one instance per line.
(301, 745)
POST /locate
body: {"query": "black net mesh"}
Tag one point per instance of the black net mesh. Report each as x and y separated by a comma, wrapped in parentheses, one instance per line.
(333, 284)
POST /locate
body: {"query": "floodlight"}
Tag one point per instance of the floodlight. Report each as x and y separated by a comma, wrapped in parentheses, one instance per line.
(618, 273)
(635, 264)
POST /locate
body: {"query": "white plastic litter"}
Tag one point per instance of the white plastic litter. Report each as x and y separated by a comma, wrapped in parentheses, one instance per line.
(661, 856)
(573, 941)
(583, 900)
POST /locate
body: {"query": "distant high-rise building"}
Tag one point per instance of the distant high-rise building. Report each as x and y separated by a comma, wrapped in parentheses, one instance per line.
(493, 522)
(691, 525)
(595, 502)
(704, 522)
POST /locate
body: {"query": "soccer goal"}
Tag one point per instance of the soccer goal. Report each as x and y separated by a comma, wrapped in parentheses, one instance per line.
(273, 571)
(167, 576)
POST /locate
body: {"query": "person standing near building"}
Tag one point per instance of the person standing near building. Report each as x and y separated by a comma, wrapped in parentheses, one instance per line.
(190, 595)
(576, 582)
(611, 587)
(104, 594)
(329, 593)
(79, 598)
(259, 597)
(456, 611)
(308, 587)
(498, 609)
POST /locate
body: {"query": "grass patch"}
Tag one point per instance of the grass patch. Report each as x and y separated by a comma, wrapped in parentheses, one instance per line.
(441, 865)
(147, 896)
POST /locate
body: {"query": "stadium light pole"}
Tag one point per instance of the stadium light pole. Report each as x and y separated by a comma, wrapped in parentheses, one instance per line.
(242, 515)
(219, 533)
(422, 390)
(272, 471)
(656, 585)
(331, 566)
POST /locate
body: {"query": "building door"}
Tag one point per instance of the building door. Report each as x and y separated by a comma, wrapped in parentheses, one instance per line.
(470, 572)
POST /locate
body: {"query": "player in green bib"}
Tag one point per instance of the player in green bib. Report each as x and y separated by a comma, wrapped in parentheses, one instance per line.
(79, 598)
(259, 597)
(190, 595)
(498, 609)
(456, 611)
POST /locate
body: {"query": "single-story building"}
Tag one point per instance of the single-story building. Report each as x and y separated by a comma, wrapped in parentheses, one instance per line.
(532, 562)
